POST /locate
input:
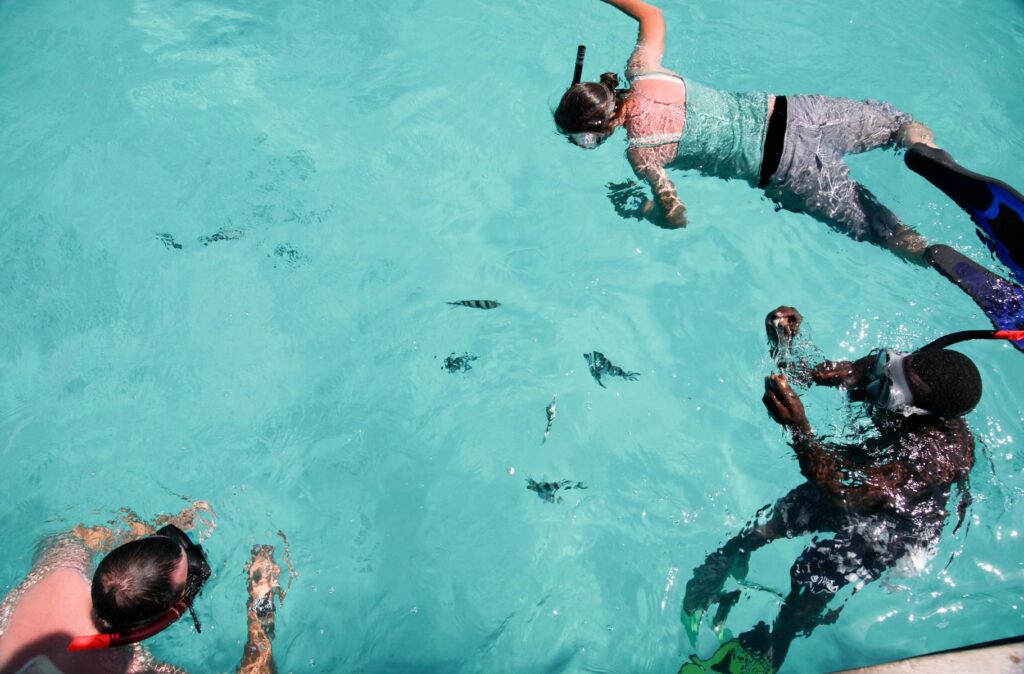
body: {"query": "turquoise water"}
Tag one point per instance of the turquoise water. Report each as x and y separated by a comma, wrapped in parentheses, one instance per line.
(333, 174)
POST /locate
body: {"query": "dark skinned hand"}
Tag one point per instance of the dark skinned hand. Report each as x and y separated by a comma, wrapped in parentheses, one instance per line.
(782, 325)
(783, 404)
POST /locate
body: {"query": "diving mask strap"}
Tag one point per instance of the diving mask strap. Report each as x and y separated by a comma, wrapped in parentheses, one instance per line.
(577, 75)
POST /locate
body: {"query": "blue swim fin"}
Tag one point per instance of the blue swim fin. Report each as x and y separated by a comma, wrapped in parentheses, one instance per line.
(1001, 300)
(996, 208)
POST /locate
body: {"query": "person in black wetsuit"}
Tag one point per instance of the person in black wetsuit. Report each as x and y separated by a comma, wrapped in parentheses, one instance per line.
(881, 499)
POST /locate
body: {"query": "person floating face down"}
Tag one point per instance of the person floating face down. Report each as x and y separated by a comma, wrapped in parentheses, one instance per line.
(139, 589)
(882, 498)
(792, 147)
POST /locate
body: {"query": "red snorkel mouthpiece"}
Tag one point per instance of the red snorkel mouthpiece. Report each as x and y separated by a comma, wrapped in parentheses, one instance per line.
(93, 642)
(577, 74)
(1012, 335)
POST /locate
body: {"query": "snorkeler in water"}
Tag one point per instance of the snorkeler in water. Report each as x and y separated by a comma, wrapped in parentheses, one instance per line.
(57, 620)
(792, 147)
(881, 498)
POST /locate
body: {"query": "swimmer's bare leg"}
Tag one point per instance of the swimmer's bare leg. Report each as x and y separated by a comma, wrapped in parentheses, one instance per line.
(263, 589)
(909, 245)
(915, 132)
(732, 559)
(861, 211)
(801, 612)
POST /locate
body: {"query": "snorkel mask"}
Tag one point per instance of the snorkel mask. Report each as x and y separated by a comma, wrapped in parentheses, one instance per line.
(198, 573)
(888, 386)
(588, 140)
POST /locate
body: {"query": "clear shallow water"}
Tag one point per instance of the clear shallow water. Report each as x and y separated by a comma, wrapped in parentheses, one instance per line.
(367, 163)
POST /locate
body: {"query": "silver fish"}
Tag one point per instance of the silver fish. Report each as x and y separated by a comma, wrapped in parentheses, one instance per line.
(552, 411)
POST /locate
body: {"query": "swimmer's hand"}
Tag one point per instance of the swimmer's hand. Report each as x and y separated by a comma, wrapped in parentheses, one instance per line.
(782, 325)
(200, 512)
(97, 539)
(673, 218)
(784, 405)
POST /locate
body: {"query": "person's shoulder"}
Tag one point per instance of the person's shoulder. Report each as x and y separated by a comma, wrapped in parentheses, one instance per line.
(65, 551)
(640, 74)
(947, 444)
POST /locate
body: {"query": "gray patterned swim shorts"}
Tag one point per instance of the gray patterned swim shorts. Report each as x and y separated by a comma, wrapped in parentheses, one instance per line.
(812, 177)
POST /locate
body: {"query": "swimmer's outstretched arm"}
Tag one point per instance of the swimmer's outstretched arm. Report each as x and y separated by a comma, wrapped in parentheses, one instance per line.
(876, 486)
(648, 164)
(102, 538)
(264, 590)
(782, 325)
(650, 43)
(667, 209)
(841, 372)
(821, 467)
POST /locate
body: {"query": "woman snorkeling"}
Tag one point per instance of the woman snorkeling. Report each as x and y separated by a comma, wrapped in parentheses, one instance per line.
(792, 147)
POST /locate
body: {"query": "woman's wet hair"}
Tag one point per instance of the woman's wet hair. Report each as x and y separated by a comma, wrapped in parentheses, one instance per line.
(952, 384)
(133, 585)
(585, 106)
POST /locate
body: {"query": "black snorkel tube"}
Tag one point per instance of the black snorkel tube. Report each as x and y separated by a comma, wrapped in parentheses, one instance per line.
(577, 74)
(965, 335)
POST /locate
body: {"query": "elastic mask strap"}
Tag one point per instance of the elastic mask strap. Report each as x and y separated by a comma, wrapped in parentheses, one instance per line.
(577, 74)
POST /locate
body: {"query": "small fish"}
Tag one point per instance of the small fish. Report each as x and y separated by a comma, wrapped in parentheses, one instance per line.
(551, 411)
(599, 366)
(168, 241)
(548, 491)
(476, 304)
(222, 235)
(461, 363)
(291, 256)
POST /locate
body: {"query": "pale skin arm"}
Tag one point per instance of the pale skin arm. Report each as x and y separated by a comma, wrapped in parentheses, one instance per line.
(649, 163)
(650, 43)
(103, 538)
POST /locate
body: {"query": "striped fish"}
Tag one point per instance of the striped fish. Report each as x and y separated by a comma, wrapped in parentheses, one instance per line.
(548, 491)
(600, 366)
(476, 304)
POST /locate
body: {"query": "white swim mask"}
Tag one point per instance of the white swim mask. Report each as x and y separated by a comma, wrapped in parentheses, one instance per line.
(888, 386)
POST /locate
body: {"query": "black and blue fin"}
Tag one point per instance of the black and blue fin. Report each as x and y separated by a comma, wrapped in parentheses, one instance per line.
(1001, 300)
(996, 208)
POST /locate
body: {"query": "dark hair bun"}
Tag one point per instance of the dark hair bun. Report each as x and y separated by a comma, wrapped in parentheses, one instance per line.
(610, 80)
